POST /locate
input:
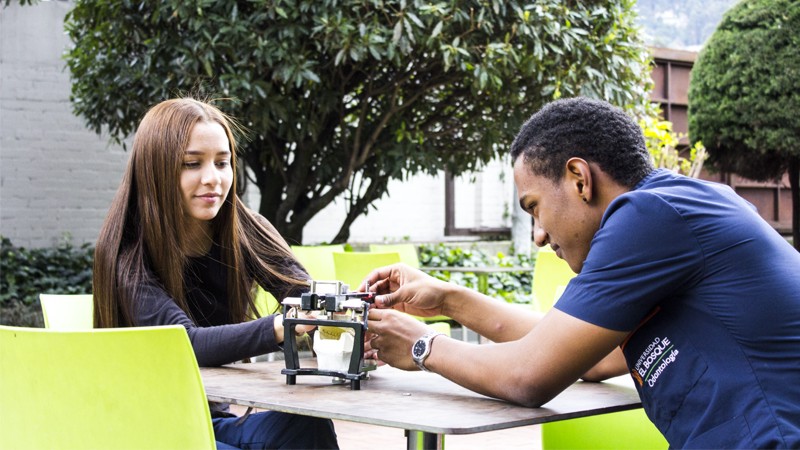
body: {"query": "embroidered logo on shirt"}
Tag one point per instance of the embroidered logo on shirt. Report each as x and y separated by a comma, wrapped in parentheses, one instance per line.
(654, 360)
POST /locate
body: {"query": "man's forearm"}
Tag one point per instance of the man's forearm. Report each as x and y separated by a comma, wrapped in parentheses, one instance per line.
(492, 318)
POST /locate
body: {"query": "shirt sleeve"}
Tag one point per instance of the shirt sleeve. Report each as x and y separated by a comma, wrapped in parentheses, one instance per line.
(213, 346)
(643, 254)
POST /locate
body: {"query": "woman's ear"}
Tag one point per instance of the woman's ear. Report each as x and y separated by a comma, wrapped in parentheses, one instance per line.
(579, 176)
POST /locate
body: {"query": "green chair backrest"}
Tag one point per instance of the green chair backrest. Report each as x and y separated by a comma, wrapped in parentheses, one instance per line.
(105, 388)
(621, 430)
(318, 259)
(266, 303)
(549, 272)
(353, 267)
(408, 252)
(67, 312)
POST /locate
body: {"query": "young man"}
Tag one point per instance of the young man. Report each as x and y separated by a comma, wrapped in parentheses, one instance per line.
(681, 276)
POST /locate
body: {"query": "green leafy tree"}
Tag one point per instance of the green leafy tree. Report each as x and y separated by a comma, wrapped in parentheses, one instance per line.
(745, 92)
(340, 96)
(663, 145)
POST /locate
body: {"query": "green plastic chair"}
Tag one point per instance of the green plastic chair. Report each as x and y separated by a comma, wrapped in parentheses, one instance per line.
(621, 430)
(67, 311)
(352, 267)
(266, 303)
(318, 259)
(549, 272)
(408, 252)
(120, 388)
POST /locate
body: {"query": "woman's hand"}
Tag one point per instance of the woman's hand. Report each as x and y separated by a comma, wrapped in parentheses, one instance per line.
(392, 335)
(299, 329)
(409, 290)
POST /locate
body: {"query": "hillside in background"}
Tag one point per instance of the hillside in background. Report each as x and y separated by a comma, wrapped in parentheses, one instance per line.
(680, 24)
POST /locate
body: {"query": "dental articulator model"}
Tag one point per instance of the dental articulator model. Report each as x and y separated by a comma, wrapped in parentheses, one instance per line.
(341, 319)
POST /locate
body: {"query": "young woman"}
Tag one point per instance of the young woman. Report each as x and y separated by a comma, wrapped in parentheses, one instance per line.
(179, 247)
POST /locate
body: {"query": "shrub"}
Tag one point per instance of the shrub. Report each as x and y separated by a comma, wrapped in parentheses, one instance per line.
(513, 287)
(26, 273)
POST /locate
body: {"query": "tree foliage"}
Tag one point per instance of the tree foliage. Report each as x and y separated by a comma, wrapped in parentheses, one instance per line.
(745, 92)
(340, 96)
(663, 144)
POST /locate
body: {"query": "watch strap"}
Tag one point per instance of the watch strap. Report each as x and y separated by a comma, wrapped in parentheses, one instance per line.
(428, 339)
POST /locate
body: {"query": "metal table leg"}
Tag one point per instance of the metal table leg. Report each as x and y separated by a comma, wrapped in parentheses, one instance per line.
(420, 440)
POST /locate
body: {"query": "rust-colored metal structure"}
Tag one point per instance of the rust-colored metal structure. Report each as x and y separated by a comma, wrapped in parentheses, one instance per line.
(671, 75)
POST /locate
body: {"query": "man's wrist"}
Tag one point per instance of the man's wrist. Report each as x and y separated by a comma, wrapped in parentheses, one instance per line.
(421, 349)
(452, 299)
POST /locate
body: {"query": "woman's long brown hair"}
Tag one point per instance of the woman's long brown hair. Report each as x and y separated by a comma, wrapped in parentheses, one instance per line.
(142, 242)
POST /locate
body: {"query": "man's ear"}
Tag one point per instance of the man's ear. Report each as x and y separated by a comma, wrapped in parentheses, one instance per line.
(579, 176)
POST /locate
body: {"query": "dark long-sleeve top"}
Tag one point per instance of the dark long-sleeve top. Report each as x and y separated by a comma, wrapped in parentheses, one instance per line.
(215, 339)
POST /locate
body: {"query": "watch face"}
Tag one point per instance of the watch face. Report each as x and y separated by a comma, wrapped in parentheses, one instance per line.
(418, 350)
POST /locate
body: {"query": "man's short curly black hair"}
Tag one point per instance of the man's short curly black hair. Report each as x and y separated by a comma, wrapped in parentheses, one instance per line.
(590, 129)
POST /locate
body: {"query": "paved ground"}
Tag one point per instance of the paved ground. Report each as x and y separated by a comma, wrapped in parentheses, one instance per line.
(356, 436)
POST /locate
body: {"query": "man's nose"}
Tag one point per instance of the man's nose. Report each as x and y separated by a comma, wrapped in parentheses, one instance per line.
(540, 237)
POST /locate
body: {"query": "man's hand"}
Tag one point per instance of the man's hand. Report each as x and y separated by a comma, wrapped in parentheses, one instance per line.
(392, 335)
(409, 290)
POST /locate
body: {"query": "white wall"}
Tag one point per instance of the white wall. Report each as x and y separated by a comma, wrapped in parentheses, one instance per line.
(57, 177)
(483, 198)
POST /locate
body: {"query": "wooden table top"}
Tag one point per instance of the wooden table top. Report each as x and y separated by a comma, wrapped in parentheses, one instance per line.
(391, 397)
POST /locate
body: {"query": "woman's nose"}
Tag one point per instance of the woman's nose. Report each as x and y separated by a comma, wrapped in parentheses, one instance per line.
(210, 174)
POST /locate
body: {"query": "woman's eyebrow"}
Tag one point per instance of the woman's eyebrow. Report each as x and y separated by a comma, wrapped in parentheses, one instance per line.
(200, 152)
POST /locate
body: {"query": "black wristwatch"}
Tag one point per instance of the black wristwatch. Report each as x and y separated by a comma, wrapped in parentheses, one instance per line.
(422, 348)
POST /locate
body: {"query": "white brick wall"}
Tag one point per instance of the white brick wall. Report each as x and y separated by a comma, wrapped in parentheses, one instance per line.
(58, 177)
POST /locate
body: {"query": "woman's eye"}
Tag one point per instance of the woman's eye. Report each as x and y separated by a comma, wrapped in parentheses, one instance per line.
(224, 163)
(191, 164)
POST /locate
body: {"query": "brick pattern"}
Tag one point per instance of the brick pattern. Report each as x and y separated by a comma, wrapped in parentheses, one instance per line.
(56, 176)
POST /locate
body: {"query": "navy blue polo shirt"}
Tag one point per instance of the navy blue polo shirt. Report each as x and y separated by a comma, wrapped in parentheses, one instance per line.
(711, 296)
